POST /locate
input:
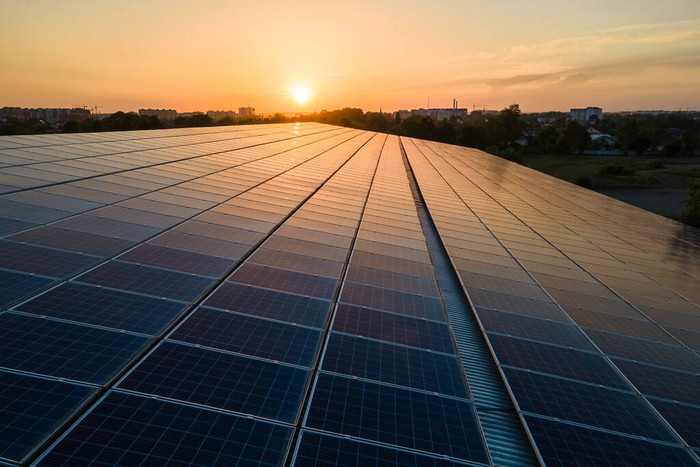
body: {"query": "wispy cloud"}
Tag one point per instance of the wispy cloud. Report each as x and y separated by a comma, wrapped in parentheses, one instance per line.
(625, 51)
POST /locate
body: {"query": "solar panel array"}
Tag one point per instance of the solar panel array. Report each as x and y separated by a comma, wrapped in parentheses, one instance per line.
(266, 295)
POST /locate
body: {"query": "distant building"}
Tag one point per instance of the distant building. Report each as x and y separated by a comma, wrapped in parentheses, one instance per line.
(219, 114)
(603, 140)
(50, 115)
(440, 114)
(162, 114)
(189, 114)
(584, 116)
(78, 114)
(546, 118)
(244, 112)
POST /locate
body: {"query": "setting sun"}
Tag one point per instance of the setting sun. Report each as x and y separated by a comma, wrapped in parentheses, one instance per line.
(301, 94)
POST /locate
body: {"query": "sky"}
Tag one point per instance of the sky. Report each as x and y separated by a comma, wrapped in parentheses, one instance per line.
(220, 55)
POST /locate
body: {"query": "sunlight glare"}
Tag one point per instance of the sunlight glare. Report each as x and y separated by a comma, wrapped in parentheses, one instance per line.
(301, 93)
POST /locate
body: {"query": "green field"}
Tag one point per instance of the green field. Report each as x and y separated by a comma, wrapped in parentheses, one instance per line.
(652, 183)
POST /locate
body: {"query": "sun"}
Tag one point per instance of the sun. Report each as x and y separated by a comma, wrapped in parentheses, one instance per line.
(301, 93)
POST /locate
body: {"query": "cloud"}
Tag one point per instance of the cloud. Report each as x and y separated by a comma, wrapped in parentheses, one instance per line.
(519, 79)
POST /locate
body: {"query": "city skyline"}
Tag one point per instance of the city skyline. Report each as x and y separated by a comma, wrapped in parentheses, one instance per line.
(309, 56)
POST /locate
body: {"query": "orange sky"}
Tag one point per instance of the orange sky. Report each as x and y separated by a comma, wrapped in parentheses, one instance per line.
(219, 55)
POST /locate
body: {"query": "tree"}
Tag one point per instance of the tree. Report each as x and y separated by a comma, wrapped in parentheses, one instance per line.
(691, 215)
(445, 132)
(575, 137)
(71, 126)
(508, 125)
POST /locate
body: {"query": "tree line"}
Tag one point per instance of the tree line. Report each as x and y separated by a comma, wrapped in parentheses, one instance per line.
(508, 133)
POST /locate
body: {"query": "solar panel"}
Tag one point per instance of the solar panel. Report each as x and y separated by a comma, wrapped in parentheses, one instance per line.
(55, 348)
(32, 408)
(328, 450)
(387, 363)
(220, 380)
(302, 294)
(148, 280)
(554, 438)
(249, 335)
(395, 416)
(144, 429)
(102, 307)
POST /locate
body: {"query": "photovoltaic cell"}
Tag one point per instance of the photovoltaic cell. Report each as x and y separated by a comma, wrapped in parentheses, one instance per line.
(532, 328)
(249, 335)
(390, 300)
(684, 418)
(388, 363)
(43, 261)
(270, 304)
(31, 408)
(393, 328)
(642, 350)
(103, 307)
(391, 280)
(329, 451)
(9, 226)
(300, 263)
(396, 416)
(285, 281)
(220, 380)
(199, 244)
(564, 444)
(73, 240)
(147, 431)
(178, 260)
(586, 404)
(662, 382)
(147, 280)
(64, 350)
(390, 263)
(559, 361)
(15, 285)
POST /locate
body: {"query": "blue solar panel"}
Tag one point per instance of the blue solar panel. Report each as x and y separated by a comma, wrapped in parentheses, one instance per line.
(391, 300)
(684, 419)
(396, 416)
(147, 431)
(65, 350)
(388, 363)
(586, 404)
(73, 240)
(15, 285)
(103, 307)
(148, 280)
(32, 408)
(248, 335)
(270, 304)
(532, 328)
(285, 281)
(220, 380)
(643, 350)
(662, 382)
(393, 328)
(565, 444)
(42, 261)
(555, 360)
(9, 226)
(327, 450)
(178, 260)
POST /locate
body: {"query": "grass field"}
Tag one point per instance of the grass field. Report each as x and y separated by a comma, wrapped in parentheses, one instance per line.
(654, 183)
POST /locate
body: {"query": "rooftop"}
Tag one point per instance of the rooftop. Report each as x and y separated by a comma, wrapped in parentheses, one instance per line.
(307, 294)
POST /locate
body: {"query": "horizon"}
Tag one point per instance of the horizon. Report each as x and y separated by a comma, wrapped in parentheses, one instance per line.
(311, 56)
